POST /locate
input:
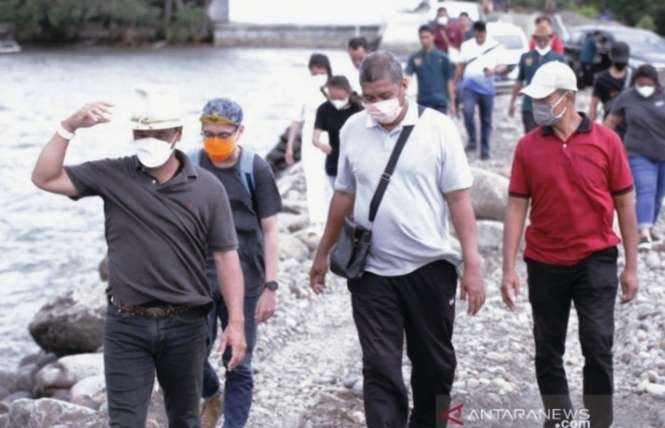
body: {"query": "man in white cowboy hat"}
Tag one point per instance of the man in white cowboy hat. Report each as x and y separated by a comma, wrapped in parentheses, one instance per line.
(163, 215)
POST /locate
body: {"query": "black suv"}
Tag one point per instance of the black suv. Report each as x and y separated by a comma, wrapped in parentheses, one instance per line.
(646, 47)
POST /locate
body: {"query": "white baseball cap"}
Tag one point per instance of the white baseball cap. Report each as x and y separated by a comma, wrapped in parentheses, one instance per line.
(550, 77)
(156, 107)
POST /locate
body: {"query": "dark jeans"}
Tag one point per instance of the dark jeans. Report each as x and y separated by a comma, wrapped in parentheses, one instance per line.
(528, 121)
(591, 286)
(239, 383)
(485, 104)
(422, 305)
(135, 348)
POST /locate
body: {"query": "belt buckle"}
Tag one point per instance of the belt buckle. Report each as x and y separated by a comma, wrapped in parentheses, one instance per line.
(154, 312)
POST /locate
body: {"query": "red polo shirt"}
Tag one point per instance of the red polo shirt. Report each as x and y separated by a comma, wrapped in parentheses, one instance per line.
(571, 185)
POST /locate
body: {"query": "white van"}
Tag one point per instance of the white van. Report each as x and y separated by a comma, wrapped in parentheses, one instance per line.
(515, 43)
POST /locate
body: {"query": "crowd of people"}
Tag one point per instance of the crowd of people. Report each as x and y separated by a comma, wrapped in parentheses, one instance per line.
(193, 238)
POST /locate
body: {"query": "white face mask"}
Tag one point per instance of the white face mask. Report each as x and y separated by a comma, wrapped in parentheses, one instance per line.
(340, 104)
(442, 20)
(384, 112)
(645, 91)
(152, 152)
(320, 80)
(543, 51)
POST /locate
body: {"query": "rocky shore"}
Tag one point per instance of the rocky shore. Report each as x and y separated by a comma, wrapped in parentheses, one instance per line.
(307, 361)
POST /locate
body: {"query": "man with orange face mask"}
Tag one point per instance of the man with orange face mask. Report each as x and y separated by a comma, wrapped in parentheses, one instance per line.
(255, 202)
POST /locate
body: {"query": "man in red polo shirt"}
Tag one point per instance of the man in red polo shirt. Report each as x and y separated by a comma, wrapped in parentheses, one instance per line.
(575, 174)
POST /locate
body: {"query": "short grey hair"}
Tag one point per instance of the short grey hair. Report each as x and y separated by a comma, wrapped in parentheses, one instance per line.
(381, 65)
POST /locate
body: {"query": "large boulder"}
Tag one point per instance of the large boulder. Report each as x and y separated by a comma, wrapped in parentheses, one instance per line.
(67, 371)
(490, 234)
(292, 222)
(89, 392)
(291, 247)
(489, 195)
(8, 381)
(310, 237)
(46, 413)
(73, 323)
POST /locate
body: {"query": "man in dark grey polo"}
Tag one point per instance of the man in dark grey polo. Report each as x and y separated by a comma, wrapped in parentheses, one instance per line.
(163, 215)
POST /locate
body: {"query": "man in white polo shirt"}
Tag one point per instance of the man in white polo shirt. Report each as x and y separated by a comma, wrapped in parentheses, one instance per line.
(410, 279)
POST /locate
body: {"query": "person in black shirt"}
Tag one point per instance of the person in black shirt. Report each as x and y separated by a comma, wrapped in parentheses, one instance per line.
(611, 82)
(330, 117)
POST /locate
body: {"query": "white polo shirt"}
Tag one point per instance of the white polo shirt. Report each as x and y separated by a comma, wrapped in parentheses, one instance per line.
(411, 228)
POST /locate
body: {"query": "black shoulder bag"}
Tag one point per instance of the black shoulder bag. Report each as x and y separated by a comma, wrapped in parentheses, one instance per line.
(349, 257)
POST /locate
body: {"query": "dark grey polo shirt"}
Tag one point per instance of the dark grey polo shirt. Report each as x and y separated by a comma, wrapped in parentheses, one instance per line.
(158, 235)
(645, 122)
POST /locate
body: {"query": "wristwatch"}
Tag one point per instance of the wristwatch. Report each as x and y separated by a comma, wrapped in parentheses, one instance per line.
(272, 285)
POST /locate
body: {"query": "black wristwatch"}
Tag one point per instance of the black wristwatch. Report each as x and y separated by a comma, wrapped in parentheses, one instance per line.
(272, 285)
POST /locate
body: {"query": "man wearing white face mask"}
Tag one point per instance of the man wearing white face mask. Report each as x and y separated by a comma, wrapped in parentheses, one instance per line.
(409, 280)
(574, 175)
(642, 109)
(530, 62)
(330, 117)
(163, 214)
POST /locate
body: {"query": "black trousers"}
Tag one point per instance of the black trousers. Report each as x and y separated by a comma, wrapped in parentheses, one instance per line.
(591, 286)
(135, 348)
(422, 306)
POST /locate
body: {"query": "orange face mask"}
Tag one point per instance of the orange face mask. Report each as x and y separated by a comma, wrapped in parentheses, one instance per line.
(219, 149)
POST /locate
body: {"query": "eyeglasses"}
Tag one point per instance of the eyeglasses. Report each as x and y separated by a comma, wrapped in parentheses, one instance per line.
(222, 135)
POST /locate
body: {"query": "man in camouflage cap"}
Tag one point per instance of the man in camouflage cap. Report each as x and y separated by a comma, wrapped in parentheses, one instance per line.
(255, 202)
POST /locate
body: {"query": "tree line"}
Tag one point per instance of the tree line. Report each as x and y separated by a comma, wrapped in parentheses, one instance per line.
(648, 14)
(128, 21)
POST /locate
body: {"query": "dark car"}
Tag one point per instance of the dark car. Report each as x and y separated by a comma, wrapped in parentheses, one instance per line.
(646, 47)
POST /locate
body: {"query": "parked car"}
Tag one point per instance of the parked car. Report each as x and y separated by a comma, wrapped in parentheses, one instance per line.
(515, 43)
(646, 47)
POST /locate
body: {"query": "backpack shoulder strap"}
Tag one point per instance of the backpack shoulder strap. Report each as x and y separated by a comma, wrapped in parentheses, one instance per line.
(247, 170)
(195, 157)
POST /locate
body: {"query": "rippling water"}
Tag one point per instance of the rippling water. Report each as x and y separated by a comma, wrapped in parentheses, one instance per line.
(48, 243)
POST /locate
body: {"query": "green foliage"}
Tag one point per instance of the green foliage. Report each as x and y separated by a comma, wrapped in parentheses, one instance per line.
(647, 22)
(589, 11)
(55, 21)
(633, 11)
(187, 26)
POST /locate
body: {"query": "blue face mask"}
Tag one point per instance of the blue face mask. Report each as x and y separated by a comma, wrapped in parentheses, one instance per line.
(544, 115)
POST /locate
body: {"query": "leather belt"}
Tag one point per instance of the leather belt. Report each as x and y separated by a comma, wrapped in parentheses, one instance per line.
(153, 312)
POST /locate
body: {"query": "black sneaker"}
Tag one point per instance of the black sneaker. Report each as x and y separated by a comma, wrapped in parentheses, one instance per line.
(485, 157)
(644, 244)
(470, 149)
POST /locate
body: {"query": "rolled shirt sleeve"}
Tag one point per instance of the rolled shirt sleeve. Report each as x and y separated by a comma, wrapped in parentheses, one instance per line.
(345, 181)
(221, 228)
(620, 177)
(455, 172)
(89, 177)
(519, 185)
